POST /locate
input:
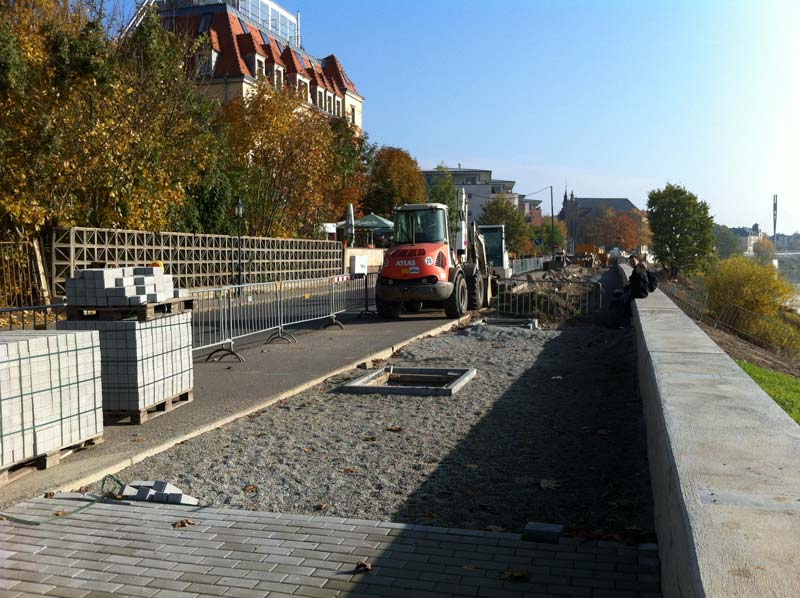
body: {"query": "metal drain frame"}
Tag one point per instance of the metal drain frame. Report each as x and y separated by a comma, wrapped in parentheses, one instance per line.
(362, 385)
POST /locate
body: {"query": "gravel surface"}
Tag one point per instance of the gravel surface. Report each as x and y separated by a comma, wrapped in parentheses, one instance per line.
(549, 430)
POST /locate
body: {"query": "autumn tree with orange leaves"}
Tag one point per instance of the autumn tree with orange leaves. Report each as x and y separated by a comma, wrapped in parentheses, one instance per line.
(610, 228)
(394, 179)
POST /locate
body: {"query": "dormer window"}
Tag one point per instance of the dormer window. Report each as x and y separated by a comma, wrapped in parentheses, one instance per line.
(260, 68)
(205, 23)
(206, 63)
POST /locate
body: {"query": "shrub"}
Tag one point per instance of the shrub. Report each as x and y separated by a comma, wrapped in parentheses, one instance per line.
(747, 284)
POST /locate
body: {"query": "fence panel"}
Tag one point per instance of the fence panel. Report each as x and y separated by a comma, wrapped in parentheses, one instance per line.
(528, 264)
(254, 308)
(549, 299)
(37, 317)
(195, 261)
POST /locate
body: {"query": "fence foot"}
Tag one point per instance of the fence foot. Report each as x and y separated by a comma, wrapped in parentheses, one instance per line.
(368, 312)
(226, 351)
(281, 335)
(333, 322)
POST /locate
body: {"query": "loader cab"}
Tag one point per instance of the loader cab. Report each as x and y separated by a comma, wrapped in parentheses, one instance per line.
(421, 223)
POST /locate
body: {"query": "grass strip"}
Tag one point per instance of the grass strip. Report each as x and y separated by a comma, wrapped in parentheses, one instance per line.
(783, 388)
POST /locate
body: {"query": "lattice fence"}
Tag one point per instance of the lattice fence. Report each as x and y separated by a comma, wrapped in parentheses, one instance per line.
(196, 261)
(20, 280)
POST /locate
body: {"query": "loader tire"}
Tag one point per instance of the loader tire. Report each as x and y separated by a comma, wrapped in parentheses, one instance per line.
(455, 305)
(474, 290)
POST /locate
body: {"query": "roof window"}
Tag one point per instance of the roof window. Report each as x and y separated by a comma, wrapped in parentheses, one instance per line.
(205, 23)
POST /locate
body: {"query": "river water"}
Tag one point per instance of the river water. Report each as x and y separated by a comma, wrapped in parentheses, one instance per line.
(789, 266)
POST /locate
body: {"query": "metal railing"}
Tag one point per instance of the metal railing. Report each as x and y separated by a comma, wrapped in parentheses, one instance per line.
(772, 333)
(528, 264)
(549, 299)
(35, 317)
(221, 317)
(225, 315)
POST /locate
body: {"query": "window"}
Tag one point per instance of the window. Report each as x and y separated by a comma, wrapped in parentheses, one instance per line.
(244, 25)
(206, 63)
(284, 30)
(352, 115)
(338, 108)
(205, 23)
(320, 100)
(292, 31)
(273, 20)
(420, 226)
(264, 14)
(259, 67)
(329, 106)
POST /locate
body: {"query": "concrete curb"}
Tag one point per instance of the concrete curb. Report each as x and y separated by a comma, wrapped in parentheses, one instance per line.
(383, 354)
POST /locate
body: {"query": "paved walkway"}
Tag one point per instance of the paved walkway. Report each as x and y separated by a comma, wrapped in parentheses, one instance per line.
(134, 549)
(228, 390)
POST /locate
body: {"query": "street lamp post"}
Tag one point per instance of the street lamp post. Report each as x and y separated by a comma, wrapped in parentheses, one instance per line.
(240, 215)
(552, 219)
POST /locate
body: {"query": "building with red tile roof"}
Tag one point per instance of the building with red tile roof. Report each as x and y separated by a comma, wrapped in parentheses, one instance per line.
(253, 39)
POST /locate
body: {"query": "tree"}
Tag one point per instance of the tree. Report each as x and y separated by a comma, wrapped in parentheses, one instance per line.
(442, 190)
(284, 154)
(550, 234)
(501, 211)
(352, 156)
(682, 229)
(726, 241)
(96, 132)
(764, 251)
(394, 179)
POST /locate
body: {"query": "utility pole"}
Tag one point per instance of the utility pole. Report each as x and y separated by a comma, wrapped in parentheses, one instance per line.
(775, 220)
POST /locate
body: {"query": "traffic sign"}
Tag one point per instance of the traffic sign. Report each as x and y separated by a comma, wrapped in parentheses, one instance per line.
(538, 241)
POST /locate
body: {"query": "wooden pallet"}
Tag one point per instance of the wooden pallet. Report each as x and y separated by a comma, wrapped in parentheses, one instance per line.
(143, 313)
(45, 461)
(137, 417)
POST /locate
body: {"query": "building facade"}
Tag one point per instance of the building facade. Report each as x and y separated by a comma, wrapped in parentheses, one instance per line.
(481, 188)
(258, 39)
(578, 212)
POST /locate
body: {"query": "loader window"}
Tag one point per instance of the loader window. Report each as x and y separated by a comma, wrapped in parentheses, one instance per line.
(420, 226)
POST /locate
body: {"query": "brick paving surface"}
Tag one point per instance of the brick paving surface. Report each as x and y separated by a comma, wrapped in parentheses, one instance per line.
(132, 549)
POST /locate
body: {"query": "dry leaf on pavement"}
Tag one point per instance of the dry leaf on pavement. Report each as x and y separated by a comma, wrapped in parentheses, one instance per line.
(549, 484)
(394, 429)
(59, 514)
(349, 470)
(363, 566)
(250, 488)
(515, 574)
(183, 523)
(369, 439)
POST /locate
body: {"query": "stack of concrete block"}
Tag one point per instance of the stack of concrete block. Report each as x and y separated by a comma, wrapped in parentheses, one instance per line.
(143, 363)
(157, 491)
(50, 392)
(121, 287)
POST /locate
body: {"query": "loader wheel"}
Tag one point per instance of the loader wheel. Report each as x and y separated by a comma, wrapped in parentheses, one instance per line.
(388, 310)
(455, 305)
(475, 291)
(413, 307)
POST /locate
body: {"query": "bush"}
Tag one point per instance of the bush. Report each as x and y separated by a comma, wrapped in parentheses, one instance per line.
(747, 284)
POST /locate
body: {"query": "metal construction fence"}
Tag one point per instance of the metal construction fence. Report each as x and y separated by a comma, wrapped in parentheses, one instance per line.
(549, 299)
(225, 315)
(528, 264)
(772, 333)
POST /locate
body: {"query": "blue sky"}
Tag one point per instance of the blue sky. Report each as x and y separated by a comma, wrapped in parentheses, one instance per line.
(616, 98)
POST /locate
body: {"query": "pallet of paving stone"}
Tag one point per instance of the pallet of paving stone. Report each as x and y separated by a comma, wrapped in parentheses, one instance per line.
(140, 416)
(50, 397)
(143, 313)
(45, 461)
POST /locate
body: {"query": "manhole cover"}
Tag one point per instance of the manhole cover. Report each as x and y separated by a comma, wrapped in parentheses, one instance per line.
(425, 382)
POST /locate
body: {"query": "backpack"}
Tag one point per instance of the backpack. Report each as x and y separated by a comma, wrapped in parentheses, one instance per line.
(652, 283)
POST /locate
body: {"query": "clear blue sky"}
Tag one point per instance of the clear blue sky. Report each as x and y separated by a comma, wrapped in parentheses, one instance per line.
(616, 98)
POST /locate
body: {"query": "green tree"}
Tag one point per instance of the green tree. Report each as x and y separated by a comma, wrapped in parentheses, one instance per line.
(683, 230)
(394, 179)
(442, 190)
(502, 211)
(764, 251)
(352, 156)
(726, 241)
(550, 233)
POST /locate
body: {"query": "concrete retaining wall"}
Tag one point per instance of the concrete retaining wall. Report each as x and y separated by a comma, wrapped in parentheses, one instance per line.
(724, 462)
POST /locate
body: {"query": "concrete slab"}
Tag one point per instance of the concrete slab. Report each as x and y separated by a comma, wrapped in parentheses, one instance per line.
(228, 390)
(723, 458)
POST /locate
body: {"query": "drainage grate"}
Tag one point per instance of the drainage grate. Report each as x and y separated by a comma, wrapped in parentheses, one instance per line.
(424, 382)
